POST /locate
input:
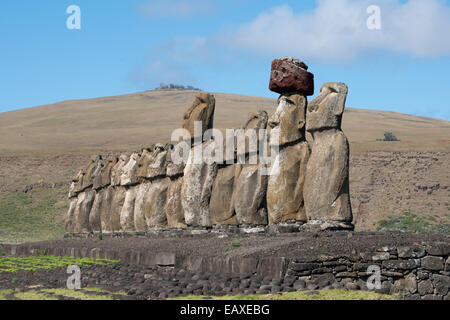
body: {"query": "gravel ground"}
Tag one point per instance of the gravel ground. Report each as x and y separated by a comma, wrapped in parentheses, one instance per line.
(304, 244)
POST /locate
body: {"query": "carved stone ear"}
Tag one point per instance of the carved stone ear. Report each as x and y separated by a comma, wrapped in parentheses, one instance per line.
(339, 103)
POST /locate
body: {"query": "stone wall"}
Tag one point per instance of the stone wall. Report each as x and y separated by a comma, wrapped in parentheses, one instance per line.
(414, 272)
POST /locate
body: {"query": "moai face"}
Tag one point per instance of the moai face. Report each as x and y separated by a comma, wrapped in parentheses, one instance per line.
(288, 121)
(201, 110)
(325, 111)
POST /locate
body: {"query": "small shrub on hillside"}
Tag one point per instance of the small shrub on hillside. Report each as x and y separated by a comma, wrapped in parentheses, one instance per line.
(389, 136)
(413, 223)
(235, 243)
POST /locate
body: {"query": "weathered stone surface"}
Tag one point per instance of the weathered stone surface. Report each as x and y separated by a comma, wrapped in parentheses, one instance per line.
(411, 283)
(198, 181)
(326, 188)
(432, 263)
(439, 249)
(92, 167)
(140, 224)
(116, 171)
(285, 184)
(69, 226)
(290, 75)
(116, 208)
(96, 174)
(221, 203)
(256, 120)
(155, 203)
(77, 182)
(247, 140)
(326, 110)
(288, 122)
(95, 214)
(441, 283)
(174, 208)
(82, 219)
(304, 266)
(127, 212)
(153, 163)
(380, 256)
(411, 252)
(105, 209)
(129, 171)
(104, 178)
(425, 287)
(144, 161)
(249, 195)
(174, 169)
(400, 264)
(273, 267)
(202, 110)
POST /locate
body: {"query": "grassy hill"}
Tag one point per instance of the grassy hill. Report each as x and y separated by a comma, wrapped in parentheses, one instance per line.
(135, 120)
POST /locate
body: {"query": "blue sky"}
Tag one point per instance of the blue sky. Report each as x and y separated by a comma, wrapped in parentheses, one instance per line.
(226, 46)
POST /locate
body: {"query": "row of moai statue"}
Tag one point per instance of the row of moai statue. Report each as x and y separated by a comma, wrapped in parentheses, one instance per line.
(307, 183)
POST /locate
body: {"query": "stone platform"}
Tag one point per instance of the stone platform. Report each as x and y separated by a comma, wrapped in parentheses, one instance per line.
(418, 265)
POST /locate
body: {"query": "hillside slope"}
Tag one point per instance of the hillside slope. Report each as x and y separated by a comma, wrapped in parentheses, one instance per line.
(135, 120)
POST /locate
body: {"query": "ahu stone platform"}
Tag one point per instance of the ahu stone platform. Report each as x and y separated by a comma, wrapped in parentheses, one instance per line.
(415, 265)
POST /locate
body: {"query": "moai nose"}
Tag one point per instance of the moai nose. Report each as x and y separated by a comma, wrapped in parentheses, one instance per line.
(273, 122)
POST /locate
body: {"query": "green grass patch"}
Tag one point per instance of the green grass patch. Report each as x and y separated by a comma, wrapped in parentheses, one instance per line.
(413, 223)
(235, 243)
(77, 294)
(335, 294)
(16, 264)
(32, 216)
(34, 295)
(4, 294)
(52, 294)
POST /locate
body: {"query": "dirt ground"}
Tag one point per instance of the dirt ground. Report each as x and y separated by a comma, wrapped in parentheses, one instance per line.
(303, 244)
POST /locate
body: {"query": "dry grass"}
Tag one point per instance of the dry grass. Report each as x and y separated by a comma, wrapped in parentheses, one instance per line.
(135, 120)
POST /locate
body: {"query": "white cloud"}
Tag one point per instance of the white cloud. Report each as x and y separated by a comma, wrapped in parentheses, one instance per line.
(158, 9)
(336, 30)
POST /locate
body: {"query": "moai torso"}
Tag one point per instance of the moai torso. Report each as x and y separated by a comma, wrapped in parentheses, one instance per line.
(250, 187)
(198, 176)
(326, 189)
(287, 175)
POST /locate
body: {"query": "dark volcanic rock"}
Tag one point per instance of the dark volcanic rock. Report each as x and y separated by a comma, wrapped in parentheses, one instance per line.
(290, 75)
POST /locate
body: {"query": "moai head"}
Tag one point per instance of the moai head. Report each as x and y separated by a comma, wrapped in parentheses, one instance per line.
(201, 110)
(325, 111)
(257, 120)
(288, 121)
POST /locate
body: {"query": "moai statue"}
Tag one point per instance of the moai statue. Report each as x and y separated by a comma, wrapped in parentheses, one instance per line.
(326, 190)
(199, 175)
(201, 110)
(250, 185)
(285, 203)
(174, 208)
